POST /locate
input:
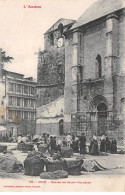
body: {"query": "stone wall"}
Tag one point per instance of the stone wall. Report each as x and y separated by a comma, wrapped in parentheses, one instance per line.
(48, 125)
(94, 44)
(105, 38)
(51, 63)
(51, 75)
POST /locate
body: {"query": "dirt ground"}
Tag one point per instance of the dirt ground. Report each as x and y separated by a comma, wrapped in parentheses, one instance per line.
(101, 180)
(115, 164)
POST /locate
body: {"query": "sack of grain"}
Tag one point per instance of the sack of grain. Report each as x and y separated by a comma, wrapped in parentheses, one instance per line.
(67, 152)
(54, 165)
(34, 165)
(74, 166)
(9, 164)
(54, 175)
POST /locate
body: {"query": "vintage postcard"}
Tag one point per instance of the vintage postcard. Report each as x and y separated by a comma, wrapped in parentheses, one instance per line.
(62, 95)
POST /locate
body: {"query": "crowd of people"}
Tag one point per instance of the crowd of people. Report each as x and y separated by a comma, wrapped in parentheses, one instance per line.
(78, 144)
(105, 145)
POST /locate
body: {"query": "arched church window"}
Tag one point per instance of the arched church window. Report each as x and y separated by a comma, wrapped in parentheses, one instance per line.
(80, 40)
(98, 66)
(61, 123)
(60, 27)
(122, 100)
(51, 39)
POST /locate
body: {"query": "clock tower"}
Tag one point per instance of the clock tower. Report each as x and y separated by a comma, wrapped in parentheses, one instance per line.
(51, 63)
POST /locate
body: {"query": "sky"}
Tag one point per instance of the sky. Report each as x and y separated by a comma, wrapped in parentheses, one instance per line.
(22, 29)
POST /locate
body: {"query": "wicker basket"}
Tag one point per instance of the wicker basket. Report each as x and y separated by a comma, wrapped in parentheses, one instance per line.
(75, 170)
(74, 167)
(33, 166)
(54, 166)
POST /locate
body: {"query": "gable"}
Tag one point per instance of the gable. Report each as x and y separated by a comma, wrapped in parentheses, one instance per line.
(65, 22)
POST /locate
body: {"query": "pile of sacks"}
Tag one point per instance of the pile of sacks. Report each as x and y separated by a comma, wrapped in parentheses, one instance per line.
(22, 146)
(9, 164)
(37, 164)
(55, 167)
(34, 163)
(67, 152)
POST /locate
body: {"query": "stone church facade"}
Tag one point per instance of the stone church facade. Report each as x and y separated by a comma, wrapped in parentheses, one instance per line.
(92, 61)
(51, 63)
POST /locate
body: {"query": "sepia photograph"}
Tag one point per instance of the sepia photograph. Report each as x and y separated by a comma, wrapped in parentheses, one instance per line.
(62, 95)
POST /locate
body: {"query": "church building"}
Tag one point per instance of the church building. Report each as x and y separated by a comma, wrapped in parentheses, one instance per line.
(84, 63)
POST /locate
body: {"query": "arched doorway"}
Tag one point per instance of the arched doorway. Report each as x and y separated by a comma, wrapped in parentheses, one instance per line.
(102, 118)
(61, 127)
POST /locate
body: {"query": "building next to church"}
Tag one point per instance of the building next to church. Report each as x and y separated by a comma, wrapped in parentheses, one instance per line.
(94, 70)
(17, 104)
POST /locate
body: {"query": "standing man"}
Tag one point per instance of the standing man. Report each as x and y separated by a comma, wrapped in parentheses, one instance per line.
(103, 144)
(69, 139)
(82, 143)
(53, 144)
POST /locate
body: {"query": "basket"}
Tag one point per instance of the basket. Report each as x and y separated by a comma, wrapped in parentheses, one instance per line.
(75, 170)
(54, 166)
(3, 148)
(74, 167)
(66, 152)
(25, 146)
(33, 166)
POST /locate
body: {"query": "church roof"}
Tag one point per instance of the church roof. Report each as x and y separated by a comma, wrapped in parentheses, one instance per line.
(64, 21)
(99, 9)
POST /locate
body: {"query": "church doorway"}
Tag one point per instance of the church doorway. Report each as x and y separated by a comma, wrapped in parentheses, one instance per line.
(102, 119)
(61, 126)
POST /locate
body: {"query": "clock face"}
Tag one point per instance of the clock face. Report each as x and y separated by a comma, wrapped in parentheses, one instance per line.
(60, 42)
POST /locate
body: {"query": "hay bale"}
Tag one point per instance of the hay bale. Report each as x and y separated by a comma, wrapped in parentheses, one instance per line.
(54, 175)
